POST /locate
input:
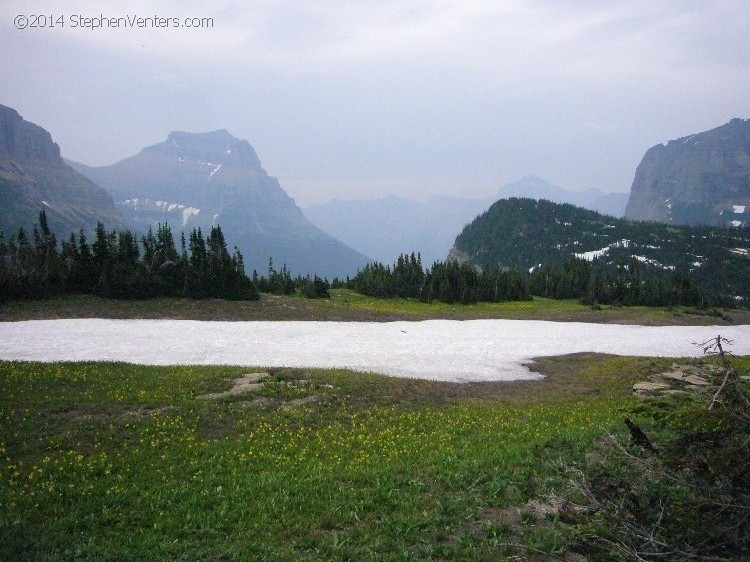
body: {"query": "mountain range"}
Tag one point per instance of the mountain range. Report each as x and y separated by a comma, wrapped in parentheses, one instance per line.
(385, 228)
(196, 180)
(33, 177)
(702, 178)
(199, 180)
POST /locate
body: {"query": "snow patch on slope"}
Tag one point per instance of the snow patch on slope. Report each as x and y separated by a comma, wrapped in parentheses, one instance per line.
(592, 255)
(187, 213)
(473, 350)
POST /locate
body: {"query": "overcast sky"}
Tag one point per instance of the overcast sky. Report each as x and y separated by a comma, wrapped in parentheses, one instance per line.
(408, 97)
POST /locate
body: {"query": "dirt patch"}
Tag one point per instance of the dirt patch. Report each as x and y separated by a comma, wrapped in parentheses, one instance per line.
(241, 385)
(127, 413)
(258, 402)
(301, 401)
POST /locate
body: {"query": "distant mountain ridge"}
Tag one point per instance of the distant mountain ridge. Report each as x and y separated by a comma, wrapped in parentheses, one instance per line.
(201, 179)
(702, 178)
(532, 187)
(385, 228)
(525, 234)
(33, 177)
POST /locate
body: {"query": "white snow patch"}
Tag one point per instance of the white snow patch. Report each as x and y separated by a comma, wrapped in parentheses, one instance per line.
(739, 251)
(592, 255)
(644, 259)
(474, 350)
(737, 223)
(45, 203)
(187, 213)
(216, 169)
(738, 209)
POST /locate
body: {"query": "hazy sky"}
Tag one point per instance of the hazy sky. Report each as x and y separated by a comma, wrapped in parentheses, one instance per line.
(409, 97)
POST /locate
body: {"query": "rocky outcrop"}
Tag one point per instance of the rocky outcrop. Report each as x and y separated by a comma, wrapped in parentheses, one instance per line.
(194, 180)
(699, 179)
(33, 177)
(680, 378)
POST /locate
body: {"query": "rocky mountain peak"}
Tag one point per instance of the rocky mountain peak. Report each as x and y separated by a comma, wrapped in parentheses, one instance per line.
(215, 147)
(25, 141)
(33, 177)
(703, 178)
(197, 180)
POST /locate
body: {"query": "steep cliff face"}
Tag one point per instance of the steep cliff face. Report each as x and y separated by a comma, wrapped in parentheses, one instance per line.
(33, 177)
(196, 180)
(698, 179)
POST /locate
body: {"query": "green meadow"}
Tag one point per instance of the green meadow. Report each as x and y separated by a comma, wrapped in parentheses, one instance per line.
(347, 305)
(110, 461)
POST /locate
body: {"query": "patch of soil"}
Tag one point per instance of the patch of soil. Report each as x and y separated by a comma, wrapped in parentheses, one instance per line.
(241, 385)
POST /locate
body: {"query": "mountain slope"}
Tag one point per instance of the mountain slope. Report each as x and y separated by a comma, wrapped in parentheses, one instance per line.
(699, 179)
(524, 234)
(195, 180)
(385, 228)
(33, 177)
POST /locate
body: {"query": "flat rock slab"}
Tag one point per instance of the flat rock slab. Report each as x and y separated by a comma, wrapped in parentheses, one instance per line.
(690, 369)
(246, 383)
(696, 380)
(673, 375)
(650, 386)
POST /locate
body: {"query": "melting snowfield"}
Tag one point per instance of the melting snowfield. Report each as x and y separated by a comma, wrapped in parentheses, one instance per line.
(475, 350)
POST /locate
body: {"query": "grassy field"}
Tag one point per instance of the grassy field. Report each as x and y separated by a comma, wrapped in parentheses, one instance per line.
(122, 462)
(345, 305)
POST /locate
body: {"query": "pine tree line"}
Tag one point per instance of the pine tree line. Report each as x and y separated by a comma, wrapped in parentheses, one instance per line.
(282, 283)
(119, 265)
(592, 283)
(626, 284)
(444, 281)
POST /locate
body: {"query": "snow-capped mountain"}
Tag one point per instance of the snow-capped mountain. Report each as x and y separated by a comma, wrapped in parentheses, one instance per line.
(195, 180)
